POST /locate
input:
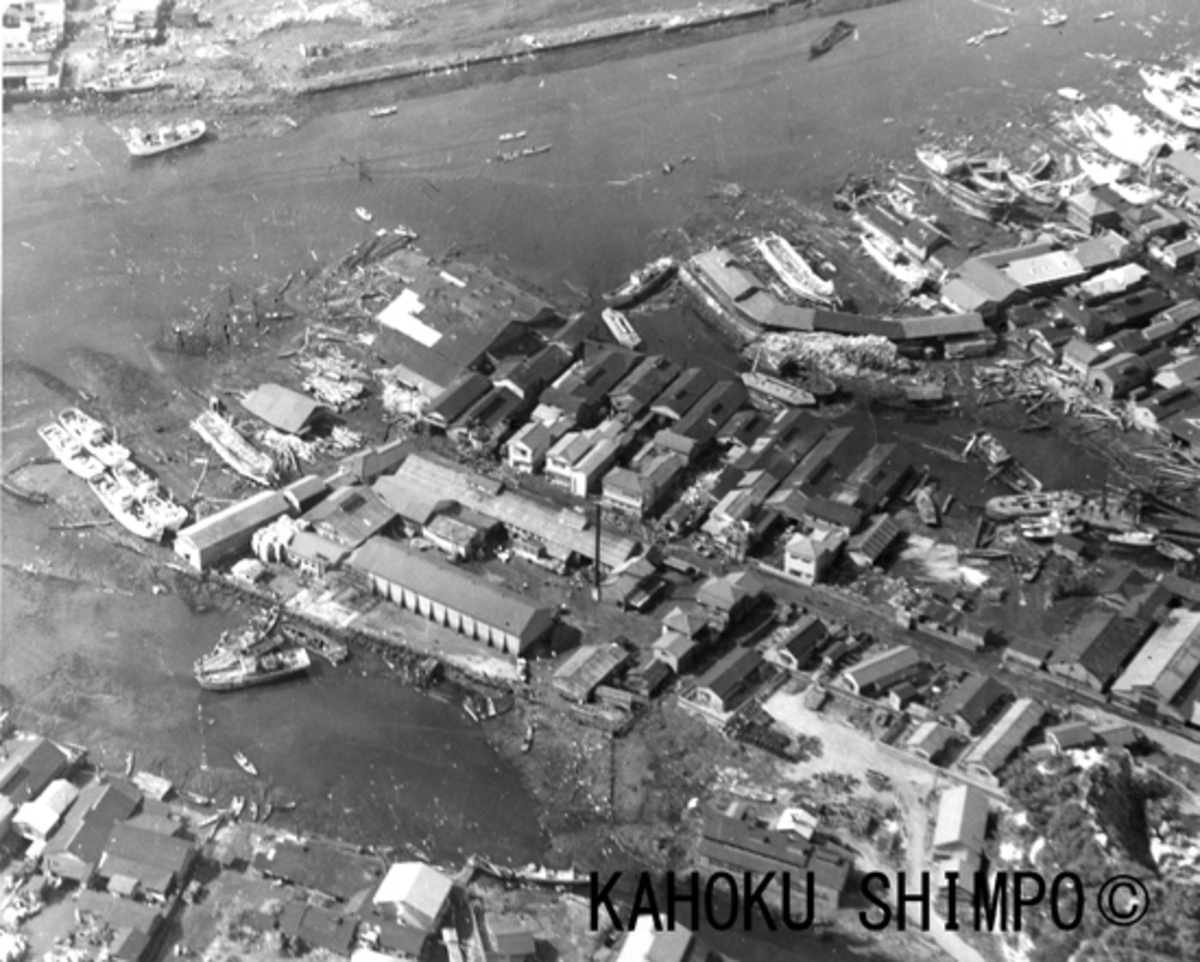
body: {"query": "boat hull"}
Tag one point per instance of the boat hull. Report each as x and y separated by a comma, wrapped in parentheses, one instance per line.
(148, 144)
(649, 281)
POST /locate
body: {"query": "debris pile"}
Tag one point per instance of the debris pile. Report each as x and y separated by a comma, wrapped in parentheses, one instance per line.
(867, 356)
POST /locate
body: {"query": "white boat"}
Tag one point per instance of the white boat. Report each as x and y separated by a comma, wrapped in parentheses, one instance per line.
(1183, 83)
(895, 263)
(1054, 19)
(517, 135)
(364, 214)
(94, 436)
(1124, 135)
(620, 328)
(1033, 505)
(1143, 538)
(70, 451)
(1102, 172)
(125, 507)
(1071, 94)
(234, 449)
(793, 269)
(126, 83)
(1174, 106)
(777, 389)
(1106, 15)
(1049, 526)
(382, 111)
(163, 511)
(245, 764)
(135, 479)
(146, 143)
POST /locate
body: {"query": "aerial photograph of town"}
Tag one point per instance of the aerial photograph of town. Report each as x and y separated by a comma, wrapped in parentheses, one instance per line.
(600, 481)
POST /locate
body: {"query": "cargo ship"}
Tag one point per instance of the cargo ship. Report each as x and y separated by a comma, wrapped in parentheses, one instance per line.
(70, 452)
(250, 671)
(831, 38)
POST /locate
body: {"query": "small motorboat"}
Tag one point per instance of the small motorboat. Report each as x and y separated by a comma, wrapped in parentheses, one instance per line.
(245, 764)
(527, 741)
(1143, 538)
(1106, 15)
(252, 811)
(517, 135)
(236, 806)
(364, 214)
(382, 111)
(1054, 18)
(1071, 94)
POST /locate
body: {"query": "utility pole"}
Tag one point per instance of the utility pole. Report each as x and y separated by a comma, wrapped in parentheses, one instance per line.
(596, 562)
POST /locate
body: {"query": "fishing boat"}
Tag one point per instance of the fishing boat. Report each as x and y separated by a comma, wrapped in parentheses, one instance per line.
(1054, 18)
(70, 452)
(1106, 15)
(793, 270)
(317, 642)
(252, 810)
(267, 811)
(927, 507)
(1173, 551)
(364, 214)
(894, 262)
(238, 804)
(1071, 94)
(774, 388)
(256, 637)
(620, 328)
(1049, 526)
(516, 135)
(164, 511)
(1102, 172)
(234, 449)
(976, 185)
(250, 671)
(1140, 538)
(552, 876)
(147, 143)
(125, 507)
(1123, 135)
(527, 741)
(1174, 106)
(641, 283)
(814, 382)
(1033, 505)
(94, 436)
(985, 447)
(126, 83)
(831, 38)
(1183, 83)
(382, 111)
(245, 764)
(135, 478)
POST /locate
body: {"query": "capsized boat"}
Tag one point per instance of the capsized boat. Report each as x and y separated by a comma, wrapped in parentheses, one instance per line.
(125, 507)
(1033, 505)
(146, 143)
(641, 283)
(94, 436)
(794, 270)
(234, 449)
(250, 671)
(70, 452)
(831, 38)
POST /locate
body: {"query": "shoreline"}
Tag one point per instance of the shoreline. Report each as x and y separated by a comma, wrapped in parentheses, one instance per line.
(684, 28)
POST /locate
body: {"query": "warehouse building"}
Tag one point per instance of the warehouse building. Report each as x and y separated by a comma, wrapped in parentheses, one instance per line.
(452, 597)
(228, 532)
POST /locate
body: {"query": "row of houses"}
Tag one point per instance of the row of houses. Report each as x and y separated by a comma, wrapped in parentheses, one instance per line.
(1144, 655)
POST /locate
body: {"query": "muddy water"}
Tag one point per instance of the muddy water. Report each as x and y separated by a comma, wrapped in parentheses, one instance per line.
(104, 253)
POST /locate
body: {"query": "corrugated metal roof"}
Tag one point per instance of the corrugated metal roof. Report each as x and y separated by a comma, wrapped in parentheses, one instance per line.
(248, 515)
(456, 589)
(723, 678)
(1168, 659)
(1006, 736)
(883, 665)
(962, 819)
(282, 408)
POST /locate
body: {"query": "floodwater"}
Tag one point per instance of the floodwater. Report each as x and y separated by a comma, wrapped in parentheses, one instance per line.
(106, 253)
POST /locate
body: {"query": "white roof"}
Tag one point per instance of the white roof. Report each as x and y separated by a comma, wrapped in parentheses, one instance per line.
(401, 315)
(644, 944)
(417, 891)
(1168, 658)
(961, 819)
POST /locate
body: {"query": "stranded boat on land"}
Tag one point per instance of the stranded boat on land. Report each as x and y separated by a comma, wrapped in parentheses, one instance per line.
(125, 507)
(620, 328)
(146, 143)
(234, 449)
(94, 436)
(317, 642)
(793, 270)
(70, 452)
(777, 389)
(1033, 505)
(118, 83)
